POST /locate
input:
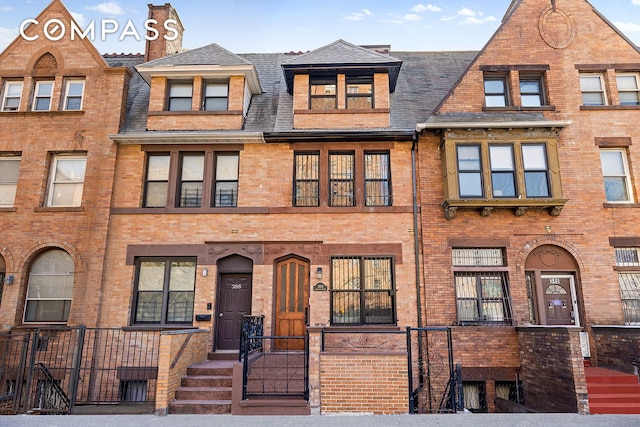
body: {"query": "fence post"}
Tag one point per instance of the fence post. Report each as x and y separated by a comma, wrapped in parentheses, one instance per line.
(75, 367)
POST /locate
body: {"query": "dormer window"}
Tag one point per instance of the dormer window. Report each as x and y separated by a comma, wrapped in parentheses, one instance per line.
(359, 93)
(180, 95)
(323, 93)
(216, 96)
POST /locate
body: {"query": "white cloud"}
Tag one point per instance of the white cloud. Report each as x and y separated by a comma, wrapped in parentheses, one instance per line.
(412, 17)
(420, 8)
(448, 18)
(466, 12)
(474, 20)
(6, 9)
(636, 2)
(359, 16)
(110, 8)
(629, 27)
(79, 18)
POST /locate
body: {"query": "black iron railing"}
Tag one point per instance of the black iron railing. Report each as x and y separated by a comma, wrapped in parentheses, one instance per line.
(280, 370)
(252, 327)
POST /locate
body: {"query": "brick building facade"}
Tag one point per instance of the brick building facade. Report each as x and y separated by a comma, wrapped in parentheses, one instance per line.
(331, 193)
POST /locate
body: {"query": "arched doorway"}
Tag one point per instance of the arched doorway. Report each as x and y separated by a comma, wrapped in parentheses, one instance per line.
(235, 275)
(292, 301)
(553, 287)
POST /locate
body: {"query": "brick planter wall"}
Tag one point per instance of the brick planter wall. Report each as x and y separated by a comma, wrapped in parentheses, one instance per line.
(617, 347)
(553, 369)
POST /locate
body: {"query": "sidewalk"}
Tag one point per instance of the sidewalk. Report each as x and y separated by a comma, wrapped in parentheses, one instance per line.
(462, 420)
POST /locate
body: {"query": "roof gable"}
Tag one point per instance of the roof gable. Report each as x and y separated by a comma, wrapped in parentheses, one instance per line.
(342, 56)
(212, 54)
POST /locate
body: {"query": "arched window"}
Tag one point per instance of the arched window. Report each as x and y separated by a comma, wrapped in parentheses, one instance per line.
(50, 288)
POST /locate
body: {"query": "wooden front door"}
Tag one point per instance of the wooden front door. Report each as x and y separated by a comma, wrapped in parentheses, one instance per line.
(234, 301)
(292, 301)
(558, 300)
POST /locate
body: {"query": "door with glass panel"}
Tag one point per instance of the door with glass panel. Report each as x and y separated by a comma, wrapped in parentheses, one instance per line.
(292, 299)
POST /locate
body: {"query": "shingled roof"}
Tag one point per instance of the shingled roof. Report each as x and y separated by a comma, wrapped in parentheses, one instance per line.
(423, 81)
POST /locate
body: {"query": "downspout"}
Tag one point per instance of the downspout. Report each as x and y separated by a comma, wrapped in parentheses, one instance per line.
(416, 236)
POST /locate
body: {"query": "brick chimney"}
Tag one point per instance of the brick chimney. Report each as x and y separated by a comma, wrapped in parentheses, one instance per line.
(161, 47)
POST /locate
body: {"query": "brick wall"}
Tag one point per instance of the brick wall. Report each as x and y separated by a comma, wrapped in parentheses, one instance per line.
(364, 383)
(616, 348)
(171, 350)
(553, 370)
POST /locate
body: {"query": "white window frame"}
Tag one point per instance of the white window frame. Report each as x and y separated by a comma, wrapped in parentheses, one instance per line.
(36, 94)
(68, 83)
(626, 176)
(636, 91)
(6, 96)
(602, 90)
(13, 184)
(53, 182)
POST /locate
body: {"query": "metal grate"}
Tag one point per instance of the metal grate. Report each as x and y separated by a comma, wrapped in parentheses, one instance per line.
(630, 292)
(510, 390)
(627, 257)
(342, 179)
(475, 396)
(478, 257)
(306, 179)
(377, 179)
(362, 291)
(483, 298)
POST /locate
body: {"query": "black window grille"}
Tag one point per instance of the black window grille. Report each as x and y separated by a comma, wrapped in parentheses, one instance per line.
(510, 390)
(475, 396)
(342, 179)
(133, 390)
(307, 179)
(377, 177)
(226, 180)
(483, 298)
(362, 291)
(191, 180)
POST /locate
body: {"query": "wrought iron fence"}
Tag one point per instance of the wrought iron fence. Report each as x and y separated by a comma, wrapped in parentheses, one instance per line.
(252, 327)
(13, 350)
(279, 369)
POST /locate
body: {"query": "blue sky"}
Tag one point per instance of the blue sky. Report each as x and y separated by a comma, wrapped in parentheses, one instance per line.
(244, 26)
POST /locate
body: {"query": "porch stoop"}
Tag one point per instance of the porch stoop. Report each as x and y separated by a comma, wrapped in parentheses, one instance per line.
(207, 387)
(612, 392)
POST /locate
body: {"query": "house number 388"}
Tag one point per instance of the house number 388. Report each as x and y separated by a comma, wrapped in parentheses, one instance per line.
(234, 287)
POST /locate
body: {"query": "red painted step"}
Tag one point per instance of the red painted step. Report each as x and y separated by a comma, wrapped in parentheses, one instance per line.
(612, 392)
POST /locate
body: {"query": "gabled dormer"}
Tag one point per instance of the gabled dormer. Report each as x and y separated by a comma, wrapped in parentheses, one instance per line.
(340, 86)
(208, 88)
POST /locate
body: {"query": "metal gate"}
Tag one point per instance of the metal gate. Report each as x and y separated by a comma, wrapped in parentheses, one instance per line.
(51, 370)
(434, 380)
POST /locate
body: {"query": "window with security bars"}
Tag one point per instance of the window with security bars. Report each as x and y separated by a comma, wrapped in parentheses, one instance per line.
(362, 291)
(133, 390)
(164, 291)
(191, 180)
(482, 296)
(377, 178)
(629, 279)
(226, 181)
(342, 179)
(306, 179)
(510, 390)
(475, 396)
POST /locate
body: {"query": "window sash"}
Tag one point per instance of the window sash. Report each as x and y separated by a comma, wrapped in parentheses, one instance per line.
(12, 96)
(536, 170)
(42, 96)
(342, 179)
(216, 97)
(191, 184)
(531, 92)
(50, 288)
(9, 172)
(628, 89)
(592, 86)
(615, 171)
(323, 94)
(469, 161)
(359, 93)
(377, 178)
(362, 291)
(495, 92)
(627, 257)
(306, 179)
(180, 96)
(630, 294)
(226, 180)
(74, 95)
(156, 184)
(503, 177)
(483, 298)
(165, 289)
(66, 183)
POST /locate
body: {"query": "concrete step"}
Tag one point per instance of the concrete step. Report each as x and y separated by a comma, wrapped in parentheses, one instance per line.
(600, 388)
(200, 407)
(211, 371)
(614, 398)
(223, 355)
(614, 408)
(203, 393)
(206, 381)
